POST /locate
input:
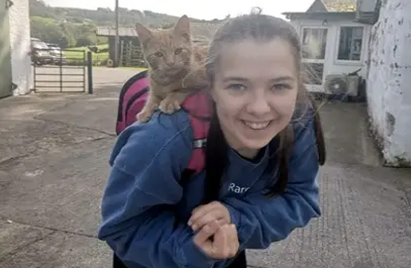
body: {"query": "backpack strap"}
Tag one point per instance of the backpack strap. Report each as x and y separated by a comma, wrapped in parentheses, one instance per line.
(199, 112)
(132, 90)
(125, 89)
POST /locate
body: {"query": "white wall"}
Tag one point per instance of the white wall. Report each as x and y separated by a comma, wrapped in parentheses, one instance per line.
(332, 65)
(389, 81)
(20, 46)
(367, 5)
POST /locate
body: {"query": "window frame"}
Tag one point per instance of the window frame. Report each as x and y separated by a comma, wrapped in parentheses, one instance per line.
(317, 61)
(337, 46)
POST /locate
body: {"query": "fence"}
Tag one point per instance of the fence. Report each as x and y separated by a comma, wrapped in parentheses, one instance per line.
(64, 71)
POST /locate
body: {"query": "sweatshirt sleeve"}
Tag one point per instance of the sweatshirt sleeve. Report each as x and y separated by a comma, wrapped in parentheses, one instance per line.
(261, 220)
(138, 221)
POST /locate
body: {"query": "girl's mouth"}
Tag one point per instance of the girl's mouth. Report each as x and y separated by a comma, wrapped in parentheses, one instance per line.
(256, 125)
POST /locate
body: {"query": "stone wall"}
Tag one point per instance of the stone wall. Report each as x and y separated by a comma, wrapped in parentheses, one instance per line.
(389, 81)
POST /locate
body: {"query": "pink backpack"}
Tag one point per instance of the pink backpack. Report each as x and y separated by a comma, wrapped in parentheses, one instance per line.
(134, 95)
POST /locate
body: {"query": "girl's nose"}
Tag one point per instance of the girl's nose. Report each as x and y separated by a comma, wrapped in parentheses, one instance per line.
(258, 104)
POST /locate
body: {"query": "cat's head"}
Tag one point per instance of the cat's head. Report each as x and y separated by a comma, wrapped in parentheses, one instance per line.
(168, 52)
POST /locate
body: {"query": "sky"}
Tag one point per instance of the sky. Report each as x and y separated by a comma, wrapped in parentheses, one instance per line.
(200, 9)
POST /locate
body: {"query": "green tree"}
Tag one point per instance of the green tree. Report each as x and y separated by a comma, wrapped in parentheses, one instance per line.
(46, 30)
(84, 41)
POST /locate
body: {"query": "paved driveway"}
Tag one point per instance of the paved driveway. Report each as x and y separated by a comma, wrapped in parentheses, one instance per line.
(53, 167)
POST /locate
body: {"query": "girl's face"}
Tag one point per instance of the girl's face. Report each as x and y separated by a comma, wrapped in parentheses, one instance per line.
(255, 91)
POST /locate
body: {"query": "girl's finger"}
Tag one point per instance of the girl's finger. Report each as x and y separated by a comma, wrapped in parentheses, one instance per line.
(198, 213)
(220, 243)
(205, 233)
(200, 210)
(210, 216)
(196, 209)
(234, 243)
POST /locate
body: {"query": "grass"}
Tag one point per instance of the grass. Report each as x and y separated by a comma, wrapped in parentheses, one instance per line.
(78, 54)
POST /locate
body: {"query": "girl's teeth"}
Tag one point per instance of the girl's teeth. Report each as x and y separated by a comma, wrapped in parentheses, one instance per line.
(256, 126)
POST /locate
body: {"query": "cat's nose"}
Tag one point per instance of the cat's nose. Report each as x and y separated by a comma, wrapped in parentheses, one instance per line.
(170, 63)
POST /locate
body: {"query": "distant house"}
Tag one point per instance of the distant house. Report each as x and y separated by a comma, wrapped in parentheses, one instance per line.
(130, 50)
(15, 63)
(335, 36)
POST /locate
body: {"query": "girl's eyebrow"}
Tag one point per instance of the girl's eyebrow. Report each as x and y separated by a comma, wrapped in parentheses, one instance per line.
(234, 79)
(285, 78)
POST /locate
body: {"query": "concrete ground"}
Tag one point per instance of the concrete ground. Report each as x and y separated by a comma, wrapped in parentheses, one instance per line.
(53, 168)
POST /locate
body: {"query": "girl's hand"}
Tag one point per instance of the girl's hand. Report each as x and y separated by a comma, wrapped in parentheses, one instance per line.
(203, 215)
(218, 242)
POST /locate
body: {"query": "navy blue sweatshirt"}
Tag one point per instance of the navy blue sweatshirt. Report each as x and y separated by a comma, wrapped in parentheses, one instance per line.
(145, 209)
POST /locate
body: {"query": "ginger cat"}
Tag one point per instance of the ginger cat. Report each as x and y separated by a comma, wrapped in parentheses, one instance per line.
(176, 67)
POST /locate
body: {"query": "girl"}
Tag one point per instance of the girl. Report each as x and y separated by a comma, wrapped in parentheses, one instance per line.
(263, 152)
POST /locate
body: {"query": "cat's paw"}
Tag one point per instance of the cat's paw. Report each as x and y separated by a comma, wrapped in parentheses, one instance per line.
(143, 116)
(169, 106)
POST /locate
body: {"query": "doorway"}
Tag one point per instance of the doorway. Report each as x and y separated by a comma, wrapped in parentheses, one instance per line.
(314, 44)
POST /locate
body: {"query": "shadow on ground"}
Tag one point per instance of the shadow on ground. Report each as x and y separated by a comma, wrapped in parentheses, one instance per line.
(53, 169)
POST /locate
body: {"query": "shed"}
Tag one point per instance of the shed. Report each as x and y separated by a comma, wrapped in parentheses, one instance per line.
(335, 39)
(130, 49)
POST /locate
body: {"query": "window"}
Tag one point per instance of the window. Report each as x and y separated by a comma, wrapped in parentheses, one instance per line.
(350, 45)
(314, 43)
(314, 73)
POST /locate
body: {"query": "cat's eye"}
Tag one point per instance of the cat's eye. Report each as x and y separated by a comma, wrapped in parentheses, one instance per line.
(178, 51)
(158, 54)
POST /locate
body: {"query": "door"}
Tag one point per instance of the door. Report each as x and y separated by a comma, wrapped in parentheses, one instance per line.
(5, 56)
(314, 42)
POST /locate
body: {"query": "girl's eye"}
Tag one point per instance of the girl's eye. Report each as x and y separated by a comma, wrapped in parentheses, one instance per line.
(158, 54)
(281, 87)
(178, 51)
(236, 87)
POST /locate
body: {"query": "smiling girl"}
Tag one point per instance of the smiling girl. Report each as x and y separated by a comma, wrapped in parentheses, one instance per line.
(263, 153)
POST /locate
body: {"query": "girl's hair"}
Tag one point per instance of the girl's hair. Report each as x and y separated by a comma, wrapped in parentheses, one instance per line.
(262, 28)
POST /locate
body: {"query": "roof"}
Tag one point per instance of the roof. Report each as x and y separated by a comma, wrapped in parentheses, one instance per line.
(111, 31)
(337, 10)
(317, 6)
(330, 16)
(340, 5)
(333, 6)
(327, 9)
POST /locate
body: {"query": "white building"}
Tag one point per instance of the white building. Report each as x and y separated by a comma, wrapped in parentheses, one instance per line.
(335, 39)
(15, 63)
(340, 36)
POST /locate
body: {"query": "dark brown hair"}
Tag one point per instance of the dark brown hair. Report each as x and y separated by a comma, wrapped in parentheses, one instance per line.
(262, 28)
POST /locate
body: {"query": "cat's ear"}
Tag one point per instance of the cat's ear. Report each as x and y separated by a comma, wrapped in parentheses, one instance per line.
(144, 34)
(182, 28)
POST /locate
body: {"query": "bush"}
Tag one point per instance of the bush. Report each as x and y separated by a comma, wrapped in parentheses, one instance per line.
(84, 41)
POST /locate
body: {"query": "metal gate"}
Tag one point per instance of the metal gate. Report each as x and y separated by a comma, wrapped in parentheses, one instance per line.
(5, 53)
(63, 71)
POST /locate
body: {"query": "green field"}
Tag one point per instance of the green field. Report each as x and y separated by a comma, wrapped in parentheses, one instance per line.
(78, 53)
